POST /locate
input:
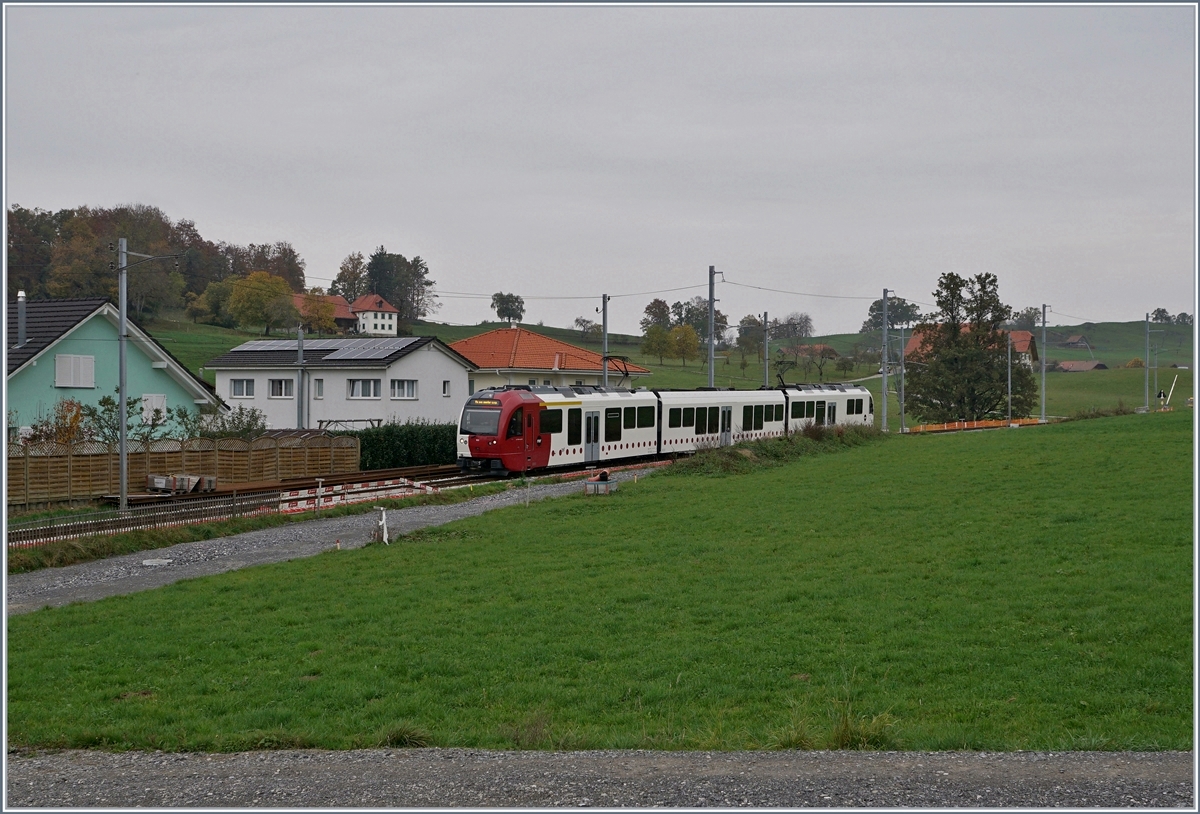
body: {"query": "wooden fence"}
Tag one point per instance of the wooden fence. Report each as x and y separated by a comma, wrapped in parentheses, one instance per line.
(49, 472)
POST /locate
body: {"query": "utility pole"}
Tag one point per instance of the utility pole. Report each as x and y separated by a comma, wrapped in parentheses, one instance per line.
(1044, 307)
(122, 330)
(299, 377)
(1009, 335)
(123, 253)
(1146, 364)
(902, 377)
(604, 360)
(883, 358)
(712, 339)
(766, 354)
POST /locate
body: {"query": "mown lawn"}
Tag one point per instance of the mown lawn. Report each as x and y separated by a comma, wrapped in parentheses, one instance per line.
(1025, 589)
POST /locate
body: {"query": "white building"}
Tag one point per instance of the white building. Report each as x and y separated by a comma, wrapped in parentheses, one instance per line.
(376, 316)
(350, 383)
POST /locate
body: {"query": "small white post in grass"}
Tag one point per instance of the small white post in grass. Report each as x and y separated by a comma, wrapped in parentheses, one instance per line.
(319, 482)
(383, 531)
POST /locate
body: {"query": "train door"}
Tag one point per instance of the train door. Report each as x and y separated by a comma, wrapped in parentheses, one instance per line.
(831, 415)
(591, 437)
(726, 426)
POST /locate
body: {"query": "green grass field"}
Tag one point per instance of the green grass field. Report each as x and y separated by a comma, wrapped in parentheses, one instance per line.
(1026, 589)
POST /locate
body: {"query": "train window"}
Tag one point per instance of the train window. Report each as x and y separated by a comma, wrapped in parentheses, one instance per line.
(480, 422)
(574, 426)
(630, 418)
(820, 417)
(748, 417)
(514, 424)
(714, 418)
(701, 421)
(871, 405)
(645, 417)
(809, 409)
(550, 421)
(858, 406)
(674, 417)
(797, 409)
(689, 416)
(612, 424)
(758, 416)
(779, 412)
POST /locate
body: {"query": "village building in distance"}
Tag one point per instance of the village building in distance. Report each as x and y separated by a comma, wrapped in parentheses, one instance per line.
(517, 356)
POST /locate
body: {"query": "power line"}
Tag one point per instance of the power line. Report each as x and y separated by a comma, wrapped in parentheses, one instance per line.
(799, 293)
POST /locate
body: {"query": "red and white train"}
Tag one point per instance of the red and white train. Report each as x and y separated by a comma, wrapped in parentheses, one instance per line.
(522, 428)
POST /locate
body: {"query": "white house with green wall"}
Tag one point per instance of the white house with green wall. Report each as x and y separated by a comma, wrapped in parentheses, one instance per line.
(67, 349)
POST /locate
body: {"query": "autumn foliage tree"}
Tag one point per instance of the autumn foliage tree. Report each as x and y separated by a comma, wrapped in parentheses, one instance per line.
(262, 299)
(685, 343)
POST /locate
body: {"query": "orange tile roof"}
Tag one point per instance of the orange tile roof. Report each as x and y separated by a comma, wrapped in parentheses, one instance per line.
(1022, 342)
(519, 349)
(372, 302)
(341, 308)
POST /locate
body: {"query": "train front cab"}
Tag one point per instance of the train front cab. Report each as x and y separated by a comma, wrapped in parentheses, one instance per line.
(499, 432)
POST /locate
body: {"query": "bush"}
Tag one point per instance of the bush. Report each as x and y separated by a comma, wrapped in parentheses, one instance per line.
(413, 443)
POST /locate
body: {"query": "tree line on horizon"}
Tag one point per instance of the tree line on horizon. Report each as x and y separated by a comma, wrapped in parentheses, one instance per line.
(67, 254)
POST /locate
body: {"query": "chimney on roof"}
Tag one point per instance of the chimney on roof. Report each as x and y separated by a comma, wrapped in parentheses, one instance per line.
(20, 318)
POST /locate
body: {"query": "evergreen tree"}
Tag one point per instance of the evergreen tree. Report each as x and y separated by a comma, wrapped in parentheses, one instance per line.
(960, 371)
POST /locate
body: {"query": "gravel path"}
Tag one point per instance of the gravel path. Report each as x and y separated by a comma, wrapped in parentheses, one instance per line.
(130, 573)
(463, 777)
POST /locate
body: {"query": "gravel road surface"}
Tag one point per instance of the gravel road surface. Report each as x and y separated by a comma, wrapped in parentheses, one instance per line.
(130, 573)
(463, 777)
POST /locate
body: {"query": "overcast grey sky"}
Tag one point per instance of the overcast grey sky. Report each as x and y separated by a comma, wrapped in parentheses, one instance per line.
(574, 151)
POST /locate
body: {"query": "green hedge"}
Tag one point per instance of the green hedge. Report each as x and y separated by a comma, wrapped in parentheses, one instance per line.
(409, 444)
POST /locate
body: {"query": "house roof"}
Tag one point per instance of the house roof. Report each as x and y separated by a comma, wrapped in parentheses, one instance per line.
(818, 348)
(47, 321)
(1080, 367)
(1023, 342)
(1075, 339)
(341, 308)
(372, 302)
(330, 353)
(519, 349)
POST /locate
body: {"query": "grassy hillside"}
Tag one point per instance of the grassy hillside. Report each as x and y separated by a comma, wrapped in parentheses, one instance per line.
(1115, 343)
(1006, 590)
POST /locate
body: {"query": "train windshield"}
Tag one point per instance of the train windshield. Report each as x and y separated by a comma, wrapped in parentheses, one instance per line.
(480, 421)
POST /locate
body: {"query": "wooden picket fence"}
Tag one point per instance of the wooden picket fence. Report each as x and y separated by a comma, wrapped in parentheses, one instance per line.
(50, 472)
(982, 424)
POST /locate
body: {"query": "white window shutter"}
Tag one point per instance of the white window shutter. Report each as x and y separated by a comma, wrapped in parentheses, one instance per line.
(62, 370)
(87, 370)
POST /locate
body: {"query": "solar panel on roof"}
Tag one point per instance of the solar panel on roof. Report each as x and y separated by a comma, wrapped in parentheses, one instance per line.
(371, 348)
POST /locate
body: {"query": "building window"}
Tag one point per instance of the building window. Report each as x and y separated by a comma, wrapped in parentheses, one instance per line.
(446, 387)
(546, 382)
(533, 381)
(318, 388)
(71, 370)
(241, 388)
(152, 403)
(280, 388)
(363, 388)
(470, 387)
(404, 388)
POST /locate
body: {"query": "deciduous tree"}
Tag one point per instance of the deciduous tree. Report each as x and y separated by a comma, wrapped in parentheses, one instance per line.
(508, 307)
(685, 343)
(657, 342)
(256, 300)
(900, 312)
(657, 313)
(351, 280)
